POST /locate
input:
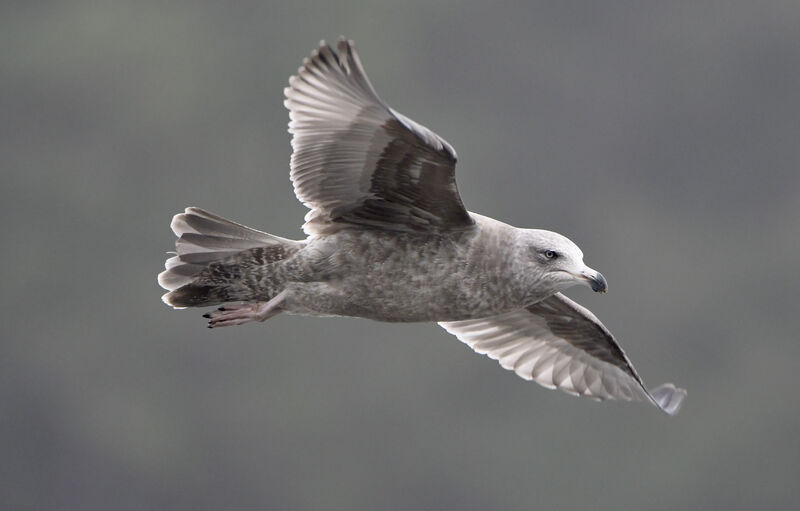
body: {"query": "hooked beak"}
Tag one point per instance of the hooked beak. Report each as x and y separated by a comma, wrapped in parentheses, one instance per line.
(595, 280)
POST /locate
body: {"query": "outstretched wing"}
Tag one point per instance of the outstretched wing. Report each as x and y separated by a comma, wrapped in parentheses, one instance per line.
(560, 344)
(358, 162)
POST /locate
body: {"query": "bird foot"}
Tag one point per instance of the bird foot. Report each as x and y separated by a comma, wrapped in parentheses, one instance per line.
(239, 314)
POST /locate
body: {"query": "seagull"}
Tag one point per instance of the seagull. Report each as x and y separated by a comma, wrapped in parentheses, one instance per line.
(389, 239)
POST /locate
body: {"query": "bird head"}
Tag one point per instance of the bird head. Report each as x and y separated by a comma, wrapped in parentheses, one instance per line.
(557, 262)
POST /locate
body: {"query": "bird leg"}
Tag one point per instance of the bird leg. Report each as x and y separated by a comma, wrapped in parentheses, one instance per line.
(239, 314)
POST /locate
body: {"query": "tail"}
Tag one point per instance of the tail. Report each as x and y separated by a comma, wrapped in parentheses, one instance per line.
(203, 239)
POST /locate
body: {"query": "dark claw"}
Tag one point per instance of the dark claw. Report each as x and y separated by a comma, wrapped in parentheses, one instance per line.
(209, 326)
(207, 315)
(221, 308)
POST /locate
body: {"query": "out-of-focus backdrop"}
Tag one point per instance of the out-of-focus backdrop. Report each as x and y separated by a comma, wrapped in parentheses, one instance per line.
(664, 138)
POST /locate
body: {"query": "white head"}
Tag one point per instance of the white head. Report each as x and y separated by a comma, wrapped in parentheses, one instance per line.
(556, 262)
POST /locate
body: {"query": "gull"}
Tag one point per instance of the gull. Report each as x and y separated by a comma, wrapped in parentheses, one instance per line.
(389, 239)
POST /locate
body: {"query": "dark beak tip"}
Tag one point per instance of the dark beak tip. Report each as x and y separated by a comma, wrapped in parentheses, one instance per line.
(599, 284)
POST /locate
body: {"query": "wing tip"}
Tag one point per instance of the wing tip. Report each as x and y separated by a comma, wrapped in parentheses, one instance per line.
(324, 56)
(345, 45)
(669, 398)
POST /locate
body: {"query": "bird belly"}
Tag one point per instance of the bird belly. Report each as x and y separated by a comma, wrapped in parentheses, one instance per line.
(404, 278)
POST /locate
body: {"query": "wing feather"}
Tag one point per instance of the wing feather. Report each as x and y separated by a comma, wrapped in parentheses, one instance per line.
(357, 162)
(560, 344)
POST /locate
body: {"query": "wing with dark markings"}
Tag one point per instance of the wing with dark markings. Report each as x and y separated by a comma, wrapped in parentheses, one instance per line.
(357, 162)
(560, 344)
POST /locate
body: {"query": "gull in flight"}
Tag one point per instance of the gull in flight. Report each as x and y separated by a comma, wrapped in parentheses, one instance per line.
(390, 240)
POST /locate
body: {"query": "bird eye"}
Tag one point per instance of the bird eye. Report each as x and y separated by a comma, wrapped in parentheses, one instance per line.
(550, 254)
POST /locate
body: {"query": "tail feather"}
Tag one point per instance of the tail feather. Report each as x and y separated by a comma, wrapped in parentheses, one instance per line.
(199, 221)
(178, 273)
(204, 238)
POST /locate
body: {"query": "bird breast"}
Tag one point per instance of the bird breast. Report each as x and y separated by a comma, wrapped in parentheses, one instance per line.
(411, 277)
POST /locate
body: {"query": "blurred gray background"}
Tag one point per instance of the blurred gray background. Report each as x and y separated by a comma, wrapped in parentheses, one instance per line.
(664, 138)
